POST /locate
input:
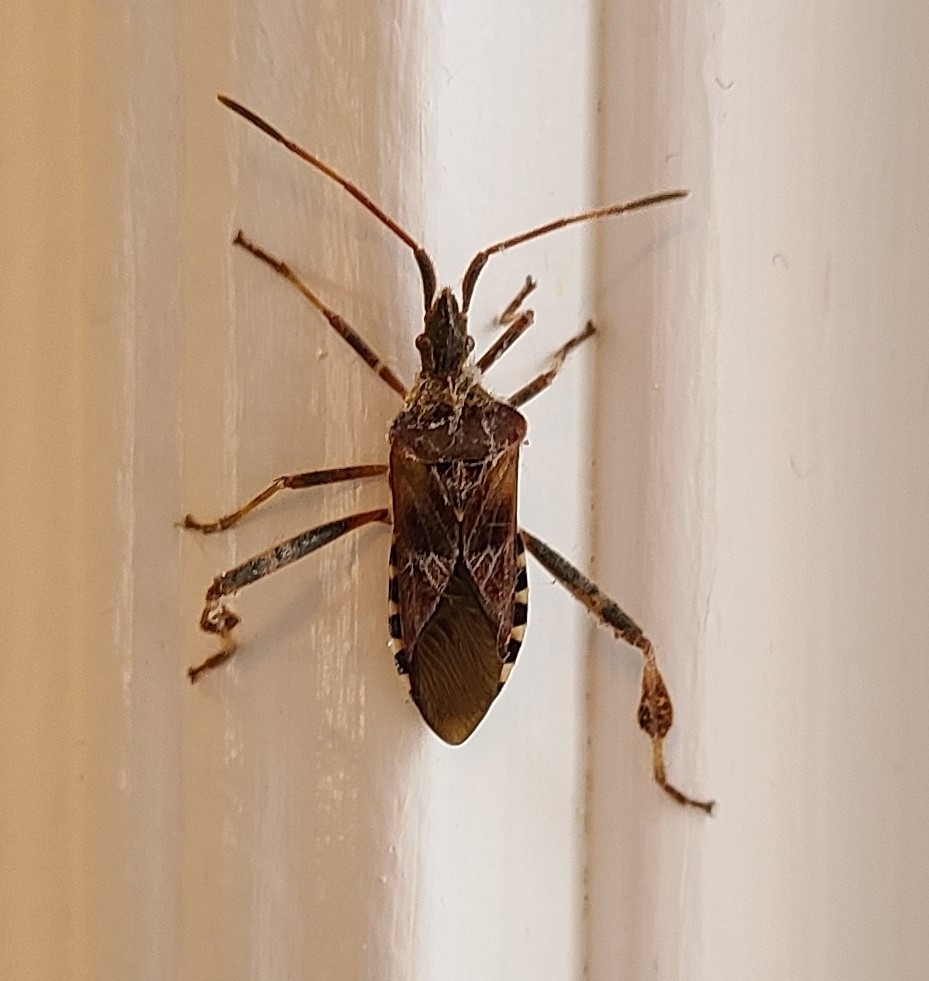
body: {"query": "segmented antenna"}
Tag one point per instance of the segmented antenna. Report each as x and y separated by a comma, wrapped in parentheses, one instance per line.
(426, 268)
(610, 211)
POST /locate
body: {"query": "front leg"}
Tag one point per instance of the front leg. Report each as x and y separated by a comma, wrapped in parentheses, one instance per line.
(656, 714)
(516, 325)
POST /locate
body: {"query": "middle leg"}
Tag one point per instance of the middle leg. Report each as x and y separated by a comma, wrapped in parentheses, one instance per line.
(292, 481)
(541, 382)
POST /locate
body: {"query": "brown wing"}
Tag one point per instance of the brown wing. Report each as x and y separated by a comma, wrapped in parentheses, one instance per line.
(426, 541)
(455, 666)
(489, 541)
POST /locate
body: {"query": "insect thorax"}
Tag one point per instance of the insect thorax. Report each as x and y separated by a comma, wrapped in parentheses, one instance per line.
(459, 432)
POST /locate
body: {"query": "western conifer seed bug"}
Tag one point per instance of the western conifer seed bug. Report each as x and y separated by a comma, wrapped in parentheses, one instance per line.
(458, 592)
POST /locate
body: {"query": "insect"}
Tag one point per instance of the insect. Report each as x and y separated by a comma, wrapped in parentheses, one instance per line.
(458, 589)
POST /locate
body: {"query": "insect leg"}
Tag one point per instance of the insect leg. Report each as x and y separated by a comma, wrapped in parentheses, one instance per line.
(517, 327)
(217, 618)
(516, 323)
(655, 714)
(341, 326)
(293, 481)
(541, 382)
(509, 314)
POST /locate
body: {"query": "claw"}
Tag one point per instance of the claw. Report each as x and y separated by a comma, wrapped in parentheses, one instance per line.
(216, 619)
(215, 660)
(206, 527)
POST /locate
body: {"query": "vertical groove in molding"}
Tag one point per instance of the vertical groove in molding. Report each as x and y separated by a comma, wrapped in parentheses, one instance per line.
(655, 472)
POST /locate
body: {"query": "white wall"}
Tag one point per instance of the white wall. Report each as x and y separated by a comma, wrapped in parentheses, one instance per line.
(757, 498)
(777, 448)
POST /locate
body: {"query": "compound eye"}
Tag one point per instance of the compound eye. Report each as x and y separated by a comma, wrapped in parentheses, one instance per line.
(423, 344)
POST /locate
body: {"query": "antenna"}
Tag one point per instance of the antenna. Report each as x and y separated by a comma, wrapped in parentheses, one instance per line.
(426, 268)
(610, 211)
